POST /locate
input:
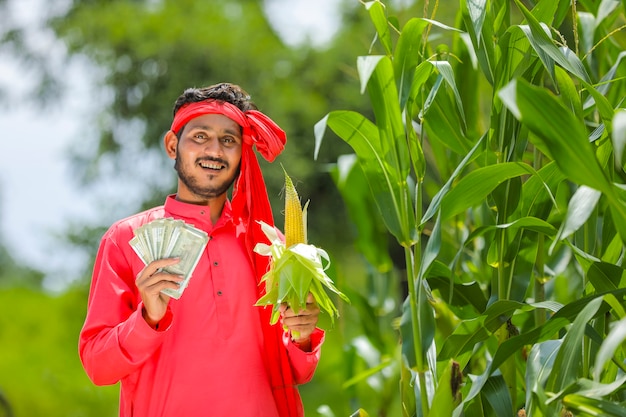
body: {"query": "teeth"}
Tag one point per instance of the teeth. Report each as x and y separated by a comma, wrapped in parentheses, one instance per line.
(210, 165)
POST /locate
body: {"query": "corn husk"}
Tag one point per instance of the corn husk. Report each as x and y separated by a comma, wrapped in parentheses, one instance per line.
(296, 269)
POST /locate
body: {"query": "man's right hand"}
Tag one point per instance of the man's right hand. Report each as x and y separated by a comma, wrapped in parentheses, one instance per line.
(150, 281)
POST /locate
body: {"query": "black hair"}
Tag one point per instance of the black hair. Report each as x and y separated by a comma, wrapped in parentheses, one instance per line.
(227, 92)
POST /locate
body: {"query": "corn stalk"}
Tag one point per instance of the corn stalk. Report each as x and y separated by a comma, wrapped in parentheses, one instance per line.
(518, 202)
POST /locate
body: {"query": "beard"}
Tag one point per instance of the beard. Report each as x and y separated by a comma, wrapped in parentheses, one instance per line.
(193, 183)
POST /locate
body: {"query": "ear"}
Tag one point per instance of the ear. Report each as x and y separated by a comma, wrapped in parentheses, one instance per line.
(171, 143)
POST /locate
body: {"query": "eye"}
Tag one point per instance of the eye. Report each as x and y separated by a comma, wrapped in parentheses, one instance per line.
(199, 137)
(229, 140)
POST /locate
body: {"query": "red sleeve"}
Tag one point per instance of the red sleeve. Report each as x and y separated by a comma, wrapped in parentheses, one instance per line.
(303, 364)
(115, 339)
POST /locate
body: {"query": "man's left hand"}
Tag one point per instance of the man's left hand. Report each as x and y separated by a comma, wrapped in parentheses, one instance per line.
(302, 323)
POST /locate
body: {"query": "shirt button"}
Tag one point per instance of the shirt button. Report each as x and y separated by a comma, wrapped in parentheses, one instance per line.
(219, 293)
(202, 212)
(215, 263)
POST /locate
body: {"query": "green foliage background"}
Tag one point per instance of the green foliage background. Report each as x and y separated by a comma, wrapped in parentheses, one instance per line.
(471, 195)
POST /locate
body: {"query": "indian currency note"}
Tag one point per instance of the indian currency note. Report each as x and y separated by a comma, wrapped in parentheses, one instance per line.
(167, 238)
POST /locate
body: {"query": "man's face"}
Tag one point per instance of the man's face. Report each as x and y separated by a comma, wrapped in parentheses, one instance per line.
(207, 157)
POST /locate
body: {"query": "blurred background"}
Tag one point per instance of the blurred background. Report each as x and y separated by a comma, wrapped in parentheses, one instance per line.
(86, 93)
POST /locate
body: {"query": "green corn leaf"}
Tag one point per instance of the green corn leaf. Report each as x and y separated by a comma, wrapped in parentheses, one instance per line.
(585, 406)
(558, 131)
(447, 395)
(612, 343)
(474, 188)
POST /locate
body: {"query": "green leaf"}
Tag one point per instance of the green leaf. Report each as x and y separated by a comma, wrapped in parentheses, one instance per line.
(407, 57)
(480, 35)
(433, 245)
(437, 199)
(606, 276)
(300, 278)
(541, 333)
(377, 14)
(605, 9)
(544, 57)
(586, 406)
(551, 12)
(472, 189)
(385, 363)
(569, 93)
(569, 359)
(467, 334)
(506, 197)
(580, 207)
(603, 86)
(619, 136)
(384, 99)
(447, 394)
(538, 195)
(477, 10)
(602, 104)
(388, 188)
(470, 332)
(613, 342)
(366, 66)
(559, 130)
(409, 391)
(497, 394)
(426, 325)
(529, 223)
(542, 43)
(442, 121)
(538, 368)
(420, 77)
(445, 69)
(371, 235)
(463, 294)
(589, 388)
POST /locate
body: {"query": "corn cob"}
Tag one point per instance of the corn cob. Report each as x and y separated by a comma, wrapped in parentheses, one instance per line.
(296, 268)
(295, 228)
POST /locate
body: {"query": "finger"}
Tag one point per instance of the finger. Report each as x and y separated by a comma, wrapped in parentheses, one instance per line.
(310, 310)
(155, 267)
(162, 280)
(302, 330)
(300, 320)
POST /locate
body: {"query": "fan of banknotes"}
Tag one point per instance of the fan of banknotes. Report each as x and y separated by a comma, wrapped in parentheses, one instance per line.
(169, 238)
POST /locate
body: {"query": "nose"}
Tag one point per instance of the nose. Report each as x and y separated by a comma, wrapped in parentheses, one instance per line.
(213, 147)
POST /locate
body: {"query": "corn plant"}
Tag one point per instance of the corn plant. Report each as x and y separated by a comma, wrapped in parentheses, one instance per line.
(495, 158)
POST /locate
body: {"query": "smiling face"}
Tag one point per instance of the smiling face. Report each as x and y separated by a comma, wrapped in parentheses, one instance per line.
(207, 158)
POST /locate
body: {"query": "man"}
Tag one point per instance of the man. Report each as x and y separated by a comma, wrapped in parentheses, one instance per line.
(211, 352)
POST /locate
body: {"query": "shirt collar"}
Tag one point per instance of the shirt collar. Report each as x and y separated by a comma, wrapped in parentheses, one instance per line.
(194, 213)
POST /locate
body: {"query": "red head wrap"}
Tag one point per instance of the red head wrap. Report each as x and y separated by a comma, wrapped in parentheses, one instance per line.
(258, 129)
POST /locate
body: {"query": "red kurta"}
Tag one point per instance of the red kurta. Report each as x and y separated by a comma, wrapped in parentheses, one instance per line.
(207, 358)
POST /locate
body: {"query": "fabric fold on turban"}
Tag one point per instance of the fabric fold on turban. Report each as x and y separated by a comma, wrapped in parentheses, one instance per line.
(250, 203)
